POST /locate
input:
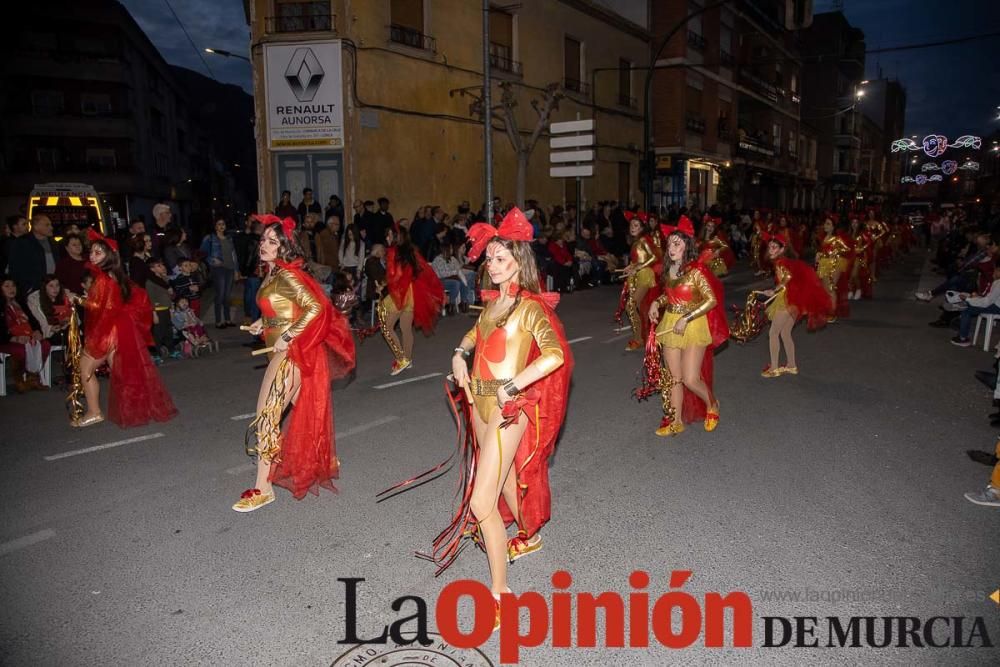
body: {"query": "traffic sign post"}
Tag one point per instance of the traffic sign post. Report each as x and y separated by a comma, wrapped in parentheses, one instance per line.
(571, 155)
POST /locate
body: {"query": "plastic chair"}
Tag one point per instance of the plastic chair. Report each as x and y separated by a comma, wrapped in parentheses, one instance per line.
(3, 373)
(46, 372)
(989, 318)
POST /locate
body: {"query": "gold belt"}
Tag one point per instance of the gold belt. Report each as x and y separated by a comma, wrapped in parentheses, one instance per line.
(679, 308)
(275, 322)
(482, 387)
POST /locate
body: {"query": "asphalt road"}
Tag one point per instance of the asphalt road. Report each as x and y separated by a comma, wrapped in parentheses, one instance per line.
(844, 482)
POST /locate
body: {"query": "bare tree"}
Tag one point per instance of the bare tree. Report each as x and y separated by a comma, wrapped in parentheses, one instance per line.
(521, 142)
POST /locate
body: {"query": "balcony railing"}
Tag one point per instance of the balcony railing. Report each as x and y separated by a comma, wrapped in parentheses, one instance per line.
(748, 144)
(500, 58)
(726, 59)
(695, 123)
(301, 17)
(769, 91)
(627, 101)
(696, 41)
(576, 86)
(411, 37)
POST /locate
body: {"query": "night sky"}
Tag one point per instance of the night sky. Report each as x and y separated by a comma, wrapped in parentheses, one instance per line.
(951, 90)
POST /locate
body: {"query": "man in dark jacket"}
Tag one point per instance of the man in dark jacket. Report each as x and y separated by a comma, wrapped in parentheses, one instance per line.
(33, 255)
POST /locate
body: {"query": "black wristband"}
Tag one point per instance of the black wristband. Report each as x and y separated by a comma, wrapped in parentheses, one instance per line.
(511, 389)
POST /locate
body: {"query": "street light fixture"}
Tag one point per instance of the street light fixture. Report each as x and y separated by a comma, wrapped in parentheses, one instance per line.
(226, 54)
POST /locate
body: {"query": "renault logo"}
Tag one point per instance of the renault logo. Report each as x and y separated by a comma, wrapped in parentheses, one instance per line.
(304, 74)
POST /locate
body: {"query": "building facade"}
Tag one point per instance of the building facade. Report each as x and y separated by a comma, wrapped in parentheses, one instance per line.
(411, 76)
(726, 98)
(89, 99)
(833, 95)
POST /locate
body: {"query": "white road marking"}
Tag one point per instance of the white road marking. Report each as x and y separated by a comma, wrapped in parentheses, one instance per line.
(239, 418)
(361, 428)
(627, 327)
(406, 381)
(611, 340)
(109, 445)
(370, 425)
(579, 340)
(26, 541)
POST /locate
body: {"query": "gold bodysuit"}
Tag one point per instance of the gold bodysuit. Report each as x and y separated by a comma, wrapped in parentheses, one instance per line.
(286, 305)
(690, 296)
(502, 352)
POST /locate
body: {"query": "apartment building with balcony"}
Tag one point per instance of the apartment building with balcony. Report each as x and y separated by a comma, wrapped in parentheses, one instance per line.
(726, 95)
(833, 98)
(411, 76)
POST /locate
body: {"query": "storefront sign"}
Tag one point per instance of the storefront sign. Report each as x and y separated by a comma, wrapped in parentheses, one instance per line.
(304, 95)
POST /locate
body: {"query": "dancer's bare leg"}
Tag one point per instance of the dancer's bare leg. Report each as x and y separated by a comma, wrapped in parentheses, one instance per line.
(91, 387)
(691, 362)
(788, 323)
(492, 472)
(406, 329)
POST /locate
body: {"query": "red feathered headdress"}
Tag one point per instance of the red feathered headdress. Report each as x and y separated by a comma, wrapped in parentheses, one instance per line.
(287, 225)
(94, 235)
(513, 227)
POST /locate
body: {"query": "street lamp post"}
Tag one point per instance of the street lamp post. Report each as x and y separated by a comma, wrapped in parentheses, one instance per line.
(487, 114)
(226, 54)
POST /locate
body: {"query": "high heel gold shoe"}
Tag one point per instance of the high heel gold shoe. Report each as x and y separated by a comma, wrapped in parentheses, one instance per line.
(89, 421)
(521, 546)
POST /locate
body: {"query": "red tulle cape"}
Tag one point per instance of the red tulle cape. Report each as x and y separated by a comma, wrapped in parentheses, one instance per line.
(693, 408)
(545, 419)
(120, 331)
(323, 352)
(805, 292)
(428, 292)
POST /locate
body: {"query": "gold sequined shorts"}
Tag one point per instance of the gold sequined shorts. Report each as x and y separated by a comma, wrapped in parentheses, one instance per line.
(695, 334)
(780, 304)
(390, 304)
(645, 278)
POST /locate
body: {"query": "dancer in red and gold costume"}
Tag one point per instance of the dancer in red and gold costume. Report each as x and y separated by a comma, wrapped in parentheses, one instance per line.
(415, 298)
(515, 402)
(713, 244)
(310, 345)
(833, 265)
(758, 246)
(679, 353)
(881, 245)
(641, 274)
(799, 293)
(117, 330)
(861, 280)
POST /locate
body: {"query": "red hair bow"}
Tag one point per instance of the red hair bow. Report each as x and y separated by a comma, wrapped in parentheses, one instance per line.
(94, 235)
(684, 226)
(643, 217)
(513, 227)
(780, 239)
(628, 215)
(287, 225)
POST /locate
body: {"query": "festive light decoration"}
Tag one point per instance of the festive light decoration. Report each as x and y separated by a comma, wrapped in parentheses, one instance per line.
(906, 179)
(921, 179)
(935, 177)
(930, 166)
(935, 145)
(970, 166)
(949, 167)
(968, 141)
